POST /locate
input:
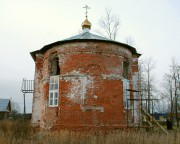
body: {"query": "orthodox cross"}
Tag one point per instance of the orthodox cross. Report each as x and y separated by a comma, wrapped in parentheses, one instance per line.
(86, 7)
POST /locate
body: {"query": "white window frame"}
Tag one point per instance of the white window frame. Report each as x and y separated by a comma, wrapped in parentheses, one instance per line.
(126, 94)
(53, 91)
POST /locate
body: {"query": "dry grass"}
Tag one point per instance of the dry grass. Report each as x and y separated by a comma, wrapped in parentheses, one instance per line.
(19, 132)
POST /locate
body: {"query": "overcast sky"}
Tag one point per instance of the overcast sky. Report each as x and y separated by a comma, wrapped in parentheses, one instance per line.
(28, 25)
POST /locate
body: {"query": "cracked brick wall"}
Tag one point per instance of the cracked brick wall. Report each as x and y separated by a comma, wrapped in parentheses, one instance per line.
(90, 86)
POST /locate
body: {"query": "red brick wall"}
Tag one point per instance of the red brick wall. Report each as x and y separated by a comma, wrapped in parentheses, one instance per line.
(89, 70)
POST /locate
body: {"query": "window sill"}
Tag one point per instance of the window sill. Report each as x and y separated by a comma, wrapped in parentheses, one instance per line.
(53, 106)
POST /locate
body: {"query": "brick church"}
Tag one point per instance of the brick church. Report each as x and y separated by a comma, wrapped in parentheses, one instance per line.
(84, 82)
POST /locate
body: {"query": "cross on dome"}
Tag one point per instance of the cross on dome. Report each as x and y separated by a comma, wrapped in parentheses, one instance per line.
(86, 25)
(86, 7)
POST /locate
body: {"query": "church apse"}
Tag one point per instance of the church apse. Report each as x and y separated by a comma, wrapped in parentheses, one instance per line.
(80, 82)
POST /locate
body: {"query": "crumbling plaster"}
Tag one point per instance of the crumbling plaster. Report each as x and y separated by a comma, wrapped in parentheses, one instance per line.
(90, 85)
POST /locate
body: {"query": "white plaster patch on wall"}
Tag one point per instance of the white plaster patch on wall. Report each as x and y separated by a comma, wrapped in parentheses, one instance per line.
(75, 89)
(95, 96)
(79, 85)
(62, 59)
(112, 76)
(73, 72)
(45, 68)
(126, 93)
(44, 105)
(36, 109)
(84, 87)
(135, 59)
(37, 100)
(135, 80)
(92, 108)
(116, 71)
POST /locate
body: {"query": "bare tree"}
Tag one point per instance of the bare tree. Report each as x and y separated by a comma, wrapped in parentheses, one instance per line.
(167, 93)
(175, 71)
(129, 41)
(141, 79)
(171, 85)
(148, 87)
(109, 25)
(15, 108)
(162, 105)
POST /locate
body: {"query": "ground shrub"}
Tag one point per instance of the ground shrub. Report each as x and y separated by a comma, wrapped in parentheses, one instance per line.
(20, 132)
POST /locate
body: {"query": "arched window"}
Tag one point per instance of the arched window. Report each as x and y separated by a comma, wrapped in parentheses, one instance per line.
(54, 71)
(54, 65)
(125, 69)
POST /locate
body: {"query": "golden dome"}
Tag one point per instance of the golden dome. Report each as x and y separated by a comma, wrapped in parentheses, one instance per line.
(86, 24)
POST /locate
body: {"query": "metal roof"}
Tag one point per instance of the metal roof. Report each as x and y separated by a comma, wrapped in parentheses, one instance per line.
(87, 35)
(4, 104)
(84, 37)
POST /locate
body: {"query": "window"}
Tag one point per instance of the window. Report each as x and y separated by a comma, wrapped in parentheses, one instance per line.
(126, 93)
(54, 65)
(53, 91)
(125, 69)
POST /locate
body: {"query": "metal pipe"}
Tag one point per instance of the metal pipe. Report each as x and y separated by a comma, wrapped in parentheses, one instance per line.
(24, 105)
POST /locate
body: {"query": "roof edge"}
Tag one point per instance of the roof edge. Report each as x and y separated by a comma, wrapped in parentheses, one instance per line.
(49, 46)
